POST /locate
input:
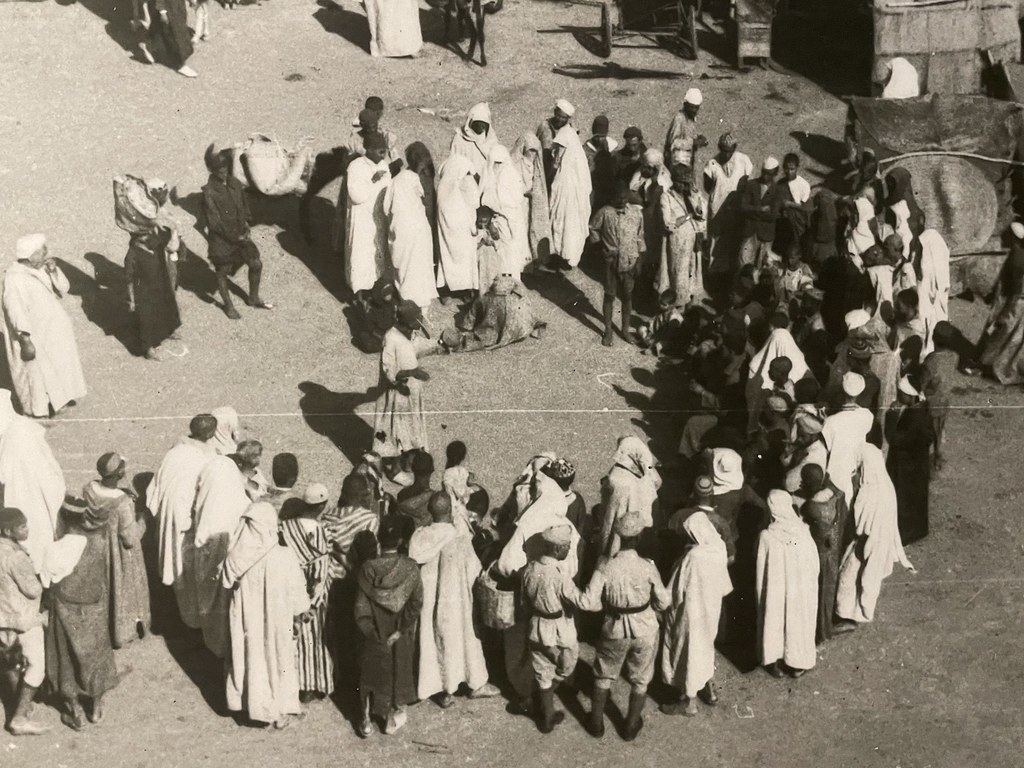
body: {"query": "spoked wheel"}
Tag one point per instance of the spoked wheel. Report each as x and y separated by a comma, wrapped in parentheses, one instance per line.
(604, 48)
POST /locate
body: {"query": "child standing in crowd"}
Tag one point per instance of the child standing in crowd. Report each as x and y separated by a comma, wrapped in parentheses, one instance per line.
(618, 231)
(21, 625)
(458, 479)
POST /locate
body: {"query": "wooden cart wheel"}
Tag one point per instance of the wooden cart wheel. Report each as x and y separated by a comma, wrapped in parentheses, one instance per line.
(691, 23)
(605, 48)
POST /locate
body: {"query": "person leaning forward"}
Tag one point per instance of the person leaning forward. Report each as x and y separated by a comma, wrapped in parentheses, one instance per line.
(227, 223)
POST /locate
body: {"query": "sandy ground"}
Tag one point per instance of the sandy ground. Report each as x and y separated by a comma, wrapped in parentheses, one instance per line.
(934, 682)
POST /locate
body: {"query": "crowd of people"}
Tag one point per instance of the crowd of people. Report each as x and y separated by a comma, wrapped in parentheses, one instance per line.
(812, 327)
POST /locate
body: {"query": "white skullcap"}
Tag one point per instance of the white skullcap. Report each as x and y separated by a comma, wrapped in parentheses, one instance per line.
(853, 384)
(156, 183)
(770, 164)
(856, 318)
(694, 97)
(654, 156)
(907, 388)
(565, 107)
(1018, 230)
(28, 245)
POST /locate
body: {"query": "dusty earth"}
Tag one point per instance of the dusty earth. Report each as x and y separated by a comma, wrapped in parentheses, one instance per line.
(934, 682)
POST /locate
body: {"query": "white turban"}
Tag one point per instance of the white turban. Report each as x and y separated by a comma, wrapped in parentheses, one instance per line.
(853, 384)
(29, 245)
(654, 157)
(693, 96)
(770, 164)
(856, 318)
(565, 107)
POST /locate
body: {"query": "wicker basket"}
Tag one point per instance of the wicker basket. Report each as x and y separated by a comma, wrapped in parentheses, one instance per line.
(497, 607)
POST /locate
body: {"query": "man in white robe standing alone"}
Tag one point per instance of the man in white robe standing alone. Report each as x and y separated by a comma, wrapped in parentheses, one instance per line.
(450, 651)
(38, 337)
(366, 226)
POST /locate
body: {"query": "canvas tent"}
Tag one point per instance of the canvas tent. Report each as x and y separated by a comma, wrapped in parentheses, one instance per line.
(956, 149)
(942, 39)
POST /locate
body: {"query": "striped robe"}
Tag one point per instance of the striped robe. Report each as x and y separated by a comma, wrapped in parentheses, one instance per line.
(341, 526)
(308, 542)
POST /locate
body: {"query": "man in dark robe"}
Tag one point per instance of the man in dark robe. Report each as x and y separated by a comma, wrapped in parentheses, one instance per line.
(227, 223)
(387, 608)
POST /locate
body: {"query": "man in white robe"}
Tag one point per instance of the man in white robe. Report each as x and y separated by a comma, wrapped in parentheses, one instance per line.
(570, 197)
(394, 27)
(458, 197)
(366, 226)
(221, 500)
(410, 237)
(31, 477)
(844, 434)
(170, 498)
(268, 594)
(698, 586)
(787, 590)
(722, 176)
(870, 557)
(933, 285)
(475, 139)
(450, 651)
(38, 336)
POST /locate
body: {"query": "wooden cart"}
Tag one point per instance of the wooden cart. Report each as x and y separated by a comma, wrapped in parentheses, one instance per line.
(753, 20)
(672, 23)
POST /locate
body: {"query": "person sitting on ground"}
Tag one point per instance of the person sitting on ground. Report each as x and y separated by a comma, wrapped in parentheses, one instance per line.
(21, 626)
(657, 335)
(503, 315)
(227, 224)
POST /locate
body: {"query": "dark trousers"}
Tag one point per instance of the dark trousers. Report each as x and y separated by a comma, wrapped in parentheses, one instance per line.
(173, 33)
(619, 284)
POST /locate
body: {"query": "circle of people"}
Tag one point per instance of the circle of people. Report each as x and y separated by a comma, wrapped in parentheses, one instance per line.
(822, 377)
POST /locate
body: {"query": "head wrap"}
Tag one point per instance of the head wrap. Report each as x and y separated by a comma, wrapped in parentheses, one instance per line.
(654, 157)
(702, 531)
(856, 318)
(629, 526)
(28, 245)
(693, 97)
(559, 535)
(109, 464)
(561, 469)
(565, 107)
(633, 454)
(727, 470)
(853, 384)
(780, 506)
(316, 493)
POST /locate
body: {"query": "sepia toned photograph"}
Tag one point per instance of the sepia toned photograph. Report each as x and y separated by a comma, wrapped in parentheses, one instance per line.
(428, 383)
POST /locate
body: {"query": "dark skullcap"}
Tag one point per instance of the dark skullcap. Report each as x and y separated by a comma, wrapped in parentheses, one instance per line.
(600, 126)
